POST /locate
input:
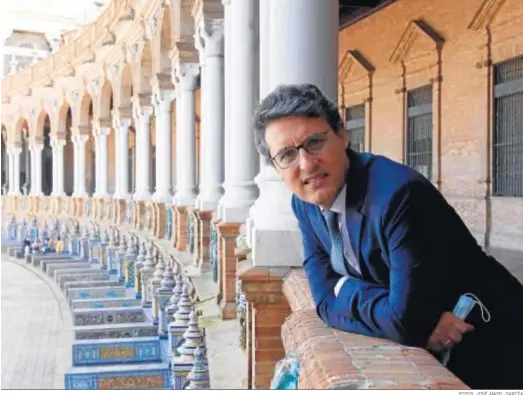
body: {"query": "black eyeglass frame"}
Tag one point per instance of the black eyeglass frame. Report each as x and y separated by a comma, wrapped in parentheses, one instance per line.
(297, 148)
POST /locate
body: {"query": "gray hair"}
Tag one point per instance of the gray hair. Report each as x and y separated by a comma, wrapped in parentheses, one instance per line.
(305, 100)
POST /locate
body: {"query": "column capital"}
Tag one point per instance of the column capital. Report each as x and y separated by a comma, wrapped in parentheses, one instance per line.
(102, 131)
(209, 36)
(163, 99)
(142, 112)
(58, 142)
(80, 139)
(187, 75)
(36, 147)
(122, 124)
(15, 150)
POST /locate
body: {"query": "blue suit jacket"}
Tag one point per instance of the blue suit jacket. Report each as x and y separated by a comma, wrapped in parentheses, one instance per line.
(416, 256)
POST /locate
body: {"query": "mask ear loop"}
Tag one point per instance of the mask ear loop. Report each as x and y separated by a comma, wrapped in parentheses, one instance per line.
(485, 314)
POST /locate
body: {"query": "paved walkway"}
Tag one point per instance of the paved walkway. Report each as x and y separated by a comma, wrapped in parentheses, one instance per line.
(36, 329)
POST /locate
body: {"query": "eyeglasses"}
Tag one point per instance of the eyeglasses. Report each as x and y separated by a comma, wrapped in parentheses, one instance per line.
(288, 157)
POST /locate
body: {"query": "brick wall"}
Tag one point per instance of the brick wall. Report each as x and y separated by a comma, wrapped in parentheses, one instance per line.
(331, 359)
(452, 46)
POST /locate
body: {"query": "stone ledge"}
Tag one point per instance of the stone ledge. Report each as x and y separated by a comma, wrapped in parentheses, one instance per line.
(332, 359)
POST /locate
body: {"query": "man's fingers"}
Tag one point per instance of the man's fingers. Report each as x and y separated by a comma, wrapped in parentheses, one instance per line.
(455, 335)
(462, 326)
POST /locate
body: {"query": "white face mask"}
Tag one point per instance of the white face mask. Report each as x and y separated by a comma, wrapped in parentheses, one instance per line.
(462, 309)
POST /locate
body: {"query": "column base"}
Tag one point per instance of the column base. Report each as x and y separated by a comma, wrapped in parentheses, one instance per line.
(234, 214)
(276, 247)
(263, 289)
(142, 196)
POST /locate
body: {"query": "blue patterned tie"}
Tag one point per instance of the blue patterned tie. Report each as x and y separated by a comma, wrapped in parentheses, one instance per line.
(337, 256)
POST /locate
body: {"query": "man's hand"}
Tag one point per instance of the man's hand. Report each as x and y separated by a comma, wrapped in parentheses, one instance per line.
(448, 332)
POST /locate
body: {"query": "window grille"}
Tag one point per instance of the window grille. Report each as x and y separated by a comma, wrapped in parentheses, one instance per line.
(355, 119)
(507, 141)
(419, 130)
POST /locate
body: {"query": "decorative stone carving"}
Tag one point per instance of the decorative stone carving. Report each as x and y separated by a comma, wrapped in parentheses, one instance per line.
(74, 96)
(153, 22)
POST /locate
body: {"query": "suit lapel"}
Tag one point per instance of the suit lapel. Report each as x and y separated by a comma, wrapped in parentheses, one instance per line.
(357, 178)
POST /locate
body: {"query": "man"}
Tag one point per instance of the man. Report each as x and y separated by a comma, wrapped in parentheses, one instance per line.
(384, 253)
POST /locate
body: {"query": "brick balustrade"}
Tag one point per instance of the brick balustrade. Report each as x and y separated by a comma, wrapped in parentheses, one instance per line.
(332, 359)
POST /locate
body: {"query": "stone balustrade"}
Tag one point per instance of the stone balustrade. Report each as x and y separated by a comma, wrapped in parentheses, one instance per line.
(124, 338)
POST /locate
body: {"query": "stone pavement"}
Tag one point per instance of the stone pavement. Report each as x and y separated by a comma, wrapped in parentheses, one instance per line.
(37, 331)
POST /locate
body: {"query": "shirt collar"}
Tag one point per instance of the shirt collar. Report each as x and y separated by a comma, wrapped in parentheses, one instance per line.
(339, 203)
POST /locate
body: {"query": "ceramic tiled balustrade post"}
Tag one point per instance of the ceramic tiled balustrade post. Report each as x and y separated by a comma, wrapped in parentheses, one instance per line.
(162, 295)
(180, 322)
(184, 362)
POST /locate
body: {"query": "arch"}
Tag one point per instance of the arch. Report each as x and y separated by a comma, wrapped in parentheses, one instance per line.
(40, 123)
(106, 101)
(165, 43)
(5, 162)
(63, 114)
(142, 79)
(68, 154)
(126, 86)
(21, 124)
(86, 109)
(47, 157)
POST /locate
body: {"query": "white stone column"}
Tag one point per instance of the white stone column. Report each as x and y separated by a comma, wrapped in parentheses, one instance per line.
(240, 189)
(227, 65)
(162, 100)
(14, 170)
(142, 116)
(121, 127)
(187, 75)
(211, 158)
(303, 47)
(58, 166)
(80, 165)
(102, 134)
(36, 169)
(97, 161)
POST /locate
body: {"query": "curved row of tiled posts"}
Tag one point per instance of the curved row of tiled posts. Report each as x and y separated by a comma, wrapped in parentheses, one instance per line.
(109, 277)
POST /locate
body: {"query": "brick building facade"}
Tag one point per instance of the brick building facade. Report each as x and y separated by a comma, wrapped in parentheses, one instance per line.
(438, 85)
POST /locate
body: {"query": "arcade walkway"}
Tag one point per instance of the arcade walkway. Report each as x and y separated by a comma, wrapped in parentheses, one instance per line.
(36, 330)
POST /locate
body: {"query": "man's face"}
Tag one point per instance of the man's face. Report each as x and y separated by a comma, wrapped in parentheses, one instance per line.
(316, 176)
